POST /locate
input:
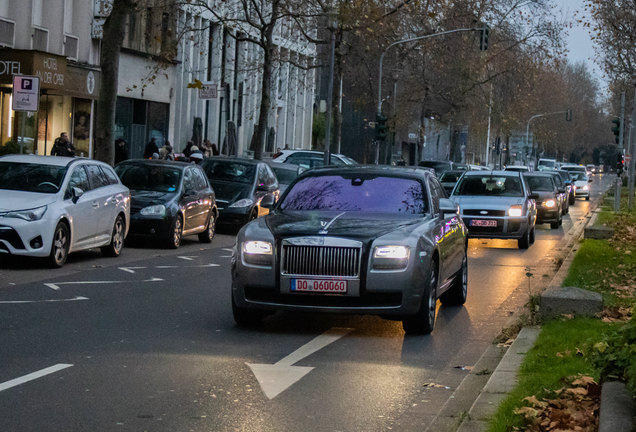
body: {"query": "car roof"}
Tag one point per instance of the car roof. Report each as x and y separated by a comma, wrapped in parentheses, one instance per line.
(156, 162)
(453, 171)
(246, 161)
(493, 172)
(368, 169)
(538, 174)
(44, 160)
(285, 166)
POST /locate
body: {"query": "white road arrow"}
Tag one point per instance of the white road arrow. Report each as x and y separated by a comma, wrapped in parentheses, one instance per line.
(43, 301)
(275, 379)
(56, 286)
(130, 269)
(187, 258)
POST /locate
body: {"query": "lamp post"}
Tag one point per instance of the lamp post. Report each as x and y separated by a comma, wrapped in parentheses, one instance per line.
(534, 117)
(333, 25)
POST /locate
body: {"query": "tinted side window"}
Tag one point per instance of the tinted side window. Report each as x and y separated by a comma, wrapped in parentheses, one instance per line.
(202, 180)
(189, 181)
(271, 177)
(110, 175)
(336, 161)
(79, 179)
(98, 179)
(262, 178)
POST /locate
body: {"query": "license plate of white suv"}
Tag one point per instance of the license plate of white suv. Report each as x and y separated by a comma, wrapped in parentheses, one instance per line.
(319, 286)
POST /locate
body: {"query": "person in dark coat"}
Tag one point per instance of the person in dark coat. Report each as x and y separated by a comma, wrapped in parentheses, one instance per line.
(63, 147)
(121, 150)
(187, 151)
(151, 148)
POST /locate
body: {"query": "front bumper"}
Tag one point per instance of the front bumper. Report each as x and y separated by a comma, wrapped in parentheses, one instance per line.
(581, 193)
(238, 216)
(545, 214)
(20, 237)
(374, 292)
(150, 227)
(507, 227)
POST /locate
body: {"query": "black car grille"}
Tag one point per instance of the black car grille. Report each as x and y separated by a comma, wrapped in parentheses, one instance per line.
(321, 260)
(11, 236)
(260, 295)
(490, 212)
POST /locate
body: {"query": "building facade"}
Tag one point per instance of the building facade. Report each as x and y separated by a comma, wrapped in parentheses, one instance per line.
(59, 41)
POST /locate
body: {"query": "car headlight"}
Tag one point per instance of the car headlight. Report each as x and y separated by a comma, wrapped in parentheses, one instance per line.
(390, 257)
(246, 202)
(257, 248)
(28, 215)
(586, 187)
(392, 252)
(516, 210)
(549, 203)
(155, 210)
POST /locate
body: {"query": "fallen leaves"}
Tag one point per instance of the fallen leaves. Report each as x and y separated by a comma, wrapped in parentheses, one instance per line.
(615, 314)
(573, 408)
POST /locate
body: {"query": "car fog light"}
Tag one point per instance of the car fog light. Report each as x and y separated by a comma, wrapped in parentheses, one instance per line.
(515, 211)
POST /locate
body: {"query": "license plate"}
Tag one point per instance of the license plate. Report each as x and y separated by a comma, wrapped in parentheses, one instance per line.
(318, 285)
(483, 223)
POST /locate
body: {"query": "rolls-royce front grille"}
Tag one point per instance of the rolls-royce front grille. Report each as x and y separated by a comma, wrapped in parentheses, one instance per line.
(321, 260)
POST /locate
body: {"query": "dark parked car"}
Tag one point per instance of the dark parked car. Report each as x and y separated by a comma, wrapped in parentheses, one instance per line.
(449, 179)
(169, 200)
(547, 198)
(567, 178)
(285, 173)
(497, 205)
(240, 184)
(440, 167)
(354, 240)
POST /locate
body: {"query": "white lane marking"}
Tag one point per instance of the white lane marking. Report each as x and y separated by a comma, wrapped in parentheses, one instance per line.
(226, 256)
(200, 265)
(188, 258)
(130, 269)
(43, 301)
(228, 250)
(55, 286)
(275, 379)
(34, 375)
(166, 267)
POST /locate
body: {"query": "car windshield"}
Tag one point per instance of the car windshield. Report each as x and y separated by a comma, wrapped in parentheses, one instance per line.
(235, 172)
(540, 184)
(357, 193)
(488, 185)
(30, 177)
(285, 176)
(558, 180)
(149, 177)
(578, 175)
(564, 176)
(450, 177)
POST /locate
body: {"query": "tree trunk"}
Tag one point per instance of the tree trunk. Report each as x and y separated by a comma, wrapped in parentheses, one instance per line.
(336, 94)
(113, 37)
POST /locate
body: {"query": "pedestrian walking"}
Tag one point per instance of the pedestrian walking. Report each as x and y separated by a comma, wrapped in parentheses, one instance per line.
(63, 147)
(188, 149)
(196, 155)
(151, 148)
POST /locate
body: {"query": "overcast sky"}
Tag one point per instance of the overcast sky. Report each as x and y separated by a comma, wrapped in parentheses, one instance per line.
(578, 41)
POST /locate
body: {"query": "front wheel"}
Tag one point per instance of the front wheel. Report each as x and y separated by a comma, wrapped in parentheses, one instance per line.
(116, 240)
(60, 246)
(456, 294)
(207, 235)
(533, 235)
(246, 317)
(176, 231)
(423, 321)
(524, 242)
(587, 198)
(572, 199)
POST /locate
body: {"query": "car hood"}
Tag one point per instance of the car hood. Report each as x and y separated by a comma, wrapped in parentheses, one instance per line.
(18, 200)
(230, 192)
(486, 202)
(543, 195)
(141, 199)
(352, 225)
(580, 183)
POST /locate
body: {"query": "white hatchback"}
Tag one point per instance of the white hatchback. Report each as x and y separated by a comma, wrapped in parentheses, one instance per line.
(51, 206)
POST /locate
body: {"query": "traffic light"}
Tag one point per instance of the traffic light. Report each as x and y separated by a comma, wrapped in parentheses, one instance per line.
(483, 37)
(380, 127)
(568, 115)
(617, 128)
(620, 163)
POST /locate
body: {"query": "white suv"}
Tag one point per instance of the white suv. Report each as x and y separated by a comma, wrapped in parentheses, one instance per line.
(311, 158)
(51, 206)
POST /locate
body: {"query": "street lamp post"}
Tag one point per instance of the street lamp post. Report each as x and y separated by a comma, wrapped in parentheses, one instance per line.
(534, 117)
(333, 28)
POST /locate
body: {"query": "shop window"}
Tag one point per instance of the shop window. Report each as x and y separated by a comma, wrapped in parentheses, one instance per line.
(82, 127)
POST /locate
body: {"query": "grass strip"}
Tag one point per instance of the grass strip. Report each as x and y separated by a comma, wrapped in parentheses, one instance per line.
(561, 350)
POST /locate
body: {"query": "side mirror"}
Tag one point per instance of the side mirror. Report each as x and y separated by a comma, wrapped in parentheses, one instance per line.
(447, 206)
(262, 188)
(268, 201)
(589, 181)
(534, 196)
(561, 190)
(189, 192)
(76, 194)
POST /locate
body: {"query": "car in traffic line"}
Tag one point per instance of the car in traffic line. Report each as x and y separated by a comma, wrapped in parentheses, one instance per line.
(549, 209)
(240, 184)
(52, 206)
(497, 205)
(569, 185)
(449, 179)
(312, 158)
(169, 200)
(354, 240)
(517, 168)
(581, 182)
(285, 173)
(439, 166)
(562, 190)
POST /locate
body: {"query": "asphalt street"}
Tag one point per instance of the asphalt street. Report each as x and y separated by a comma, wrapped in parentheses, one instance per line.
(146, 342)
